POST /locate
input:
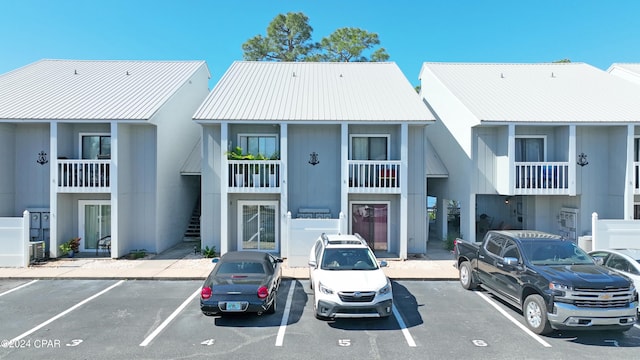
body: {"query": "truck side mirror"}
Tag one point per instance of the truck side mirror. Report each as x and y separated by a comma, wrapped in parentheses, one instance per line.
(511, 261)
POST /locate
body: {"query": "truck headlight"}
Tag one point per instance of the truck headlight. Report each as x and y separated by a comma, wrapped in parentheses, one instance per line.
(559, 289)
(325, 290)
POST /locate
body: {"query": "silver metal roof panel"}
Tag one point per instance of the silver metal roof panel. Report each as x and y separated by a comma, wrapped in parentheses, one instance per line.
(91, 90)
(310, 91)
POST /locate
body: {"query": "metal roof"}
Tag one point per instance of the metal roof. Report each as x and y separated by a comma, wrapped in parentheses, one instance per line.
(549, 92)
(435, 167)
(313, 91)
(88, 89)
(632, 67)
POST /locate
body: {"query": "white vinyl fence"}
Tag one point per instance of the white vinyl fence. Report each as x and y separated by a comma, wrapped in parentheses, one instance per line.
(302, 233)
(14, 241)
(609, 234)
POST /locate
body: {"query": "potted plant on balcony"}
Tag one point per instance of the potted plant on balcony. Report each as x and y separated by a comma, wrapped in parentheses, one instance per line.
(238, 171)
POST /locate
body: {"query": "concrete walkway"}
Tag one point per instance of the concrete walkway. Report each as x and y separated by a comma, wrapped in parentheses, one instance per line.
(182, 263)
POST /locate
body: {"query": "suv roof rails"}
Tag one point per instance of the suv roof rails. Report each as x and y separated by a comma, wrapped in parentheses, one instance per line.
(360, 240)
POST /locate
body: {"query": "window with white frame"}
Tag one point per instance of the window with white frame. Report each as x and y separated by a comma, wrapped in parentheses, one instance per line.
(95, 146)
(264, 144)
(369, 147)
(530, 148)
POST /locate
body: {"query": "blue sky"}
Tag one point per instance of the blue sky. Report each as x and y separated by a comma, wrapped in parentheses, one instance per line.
(596, 32)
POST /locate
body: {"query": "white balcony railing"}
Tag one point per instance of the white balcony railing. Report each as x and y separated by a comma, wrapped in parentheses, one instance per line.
(374, 176)
(254, 175)
(541, 178)
(83, 175)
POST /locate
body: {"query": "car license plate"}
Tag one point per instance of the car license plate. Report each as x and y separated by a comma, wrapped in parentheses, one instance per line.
(234, 306)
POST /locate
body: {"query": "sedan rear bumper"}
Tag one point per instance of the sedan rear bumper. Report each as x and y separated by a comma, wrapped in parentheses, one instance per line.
(217, 307)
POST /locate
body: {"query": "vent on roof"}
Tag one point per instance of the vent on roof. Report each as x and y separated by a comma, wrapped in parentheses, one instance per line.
(501, 76)
(75, 72)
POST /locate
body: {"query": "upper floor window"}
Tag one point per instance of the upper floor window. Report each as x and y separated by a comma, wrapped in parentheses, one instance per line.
(369, 147)
(636, 149)
(264, 144)
(95, 146)
(530, 149)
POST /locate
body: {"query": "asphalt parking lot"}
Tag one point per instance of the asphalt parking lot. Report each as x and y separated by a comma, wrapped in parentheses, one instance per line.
(105, 319)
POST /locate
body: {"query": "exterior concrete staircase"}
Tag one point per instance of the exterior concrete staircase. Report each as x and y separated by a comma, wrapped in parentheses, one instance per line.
(193, 229)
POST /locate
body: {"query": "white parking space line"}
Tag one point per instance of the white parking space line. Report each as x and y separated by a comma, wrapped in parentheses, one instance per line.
(403, 327)
(285, 316)
(511, 318)
(18, 288)
(637, 326)
(29, 332)
(170, 318)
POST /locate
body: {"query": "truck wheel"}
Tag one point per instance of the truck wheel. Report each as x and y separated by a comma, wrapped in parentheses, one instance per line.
(535, 314)
(466, 276)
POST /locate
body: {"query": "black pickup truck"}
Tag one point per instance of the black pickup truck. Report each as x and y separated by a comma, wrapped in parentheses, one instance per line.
(555, 283)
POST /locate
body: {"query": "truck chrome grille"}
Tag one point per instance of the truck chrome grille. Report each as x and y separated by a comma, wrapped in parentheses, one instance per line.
(600, 298)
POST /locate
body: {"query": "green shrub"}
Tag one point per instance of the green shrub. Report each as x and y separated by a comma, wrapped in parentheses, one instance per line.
(209, 252)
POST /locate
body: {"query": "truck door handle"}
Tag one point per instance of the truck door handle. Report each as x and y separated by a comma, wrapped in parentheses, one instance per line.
(480, 256)
(499, 265)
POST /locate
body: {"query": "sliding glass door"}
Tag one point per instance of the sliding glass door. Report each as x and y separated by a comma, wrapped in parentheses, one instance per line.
(94, 222)
(258, 225)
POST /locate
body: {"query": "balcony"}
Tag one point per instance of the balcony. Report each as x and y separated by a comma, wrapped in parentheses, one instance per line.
(367, 176)
(262, 176)
(541, 178)
(83, 176)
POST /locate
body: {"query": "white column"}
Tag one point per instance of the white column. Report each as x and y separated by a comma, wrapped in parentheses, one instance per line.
(572, 160)
(344, 176)
(511, 156)
(284, 189)
(224, 197)
(404, 191)
(629, 175)
(113, 178)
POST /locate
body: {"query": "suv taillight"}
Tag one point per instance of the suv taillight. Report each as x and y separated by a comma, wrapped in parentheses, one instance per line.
(263, 292)
(205, 293)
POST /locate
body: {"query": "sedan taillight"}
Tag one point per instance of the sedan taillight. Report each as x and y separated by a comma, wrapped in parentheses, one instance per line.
(263, 292)
(205, 293)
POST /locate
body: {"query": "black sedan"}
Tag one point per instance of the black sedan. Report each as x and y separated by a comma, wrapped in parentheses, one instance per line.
(242, 281)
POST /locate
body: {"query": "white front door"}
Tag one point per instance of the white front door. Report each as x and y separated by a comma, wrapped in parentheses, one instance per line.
(94, 222)
(258, 225)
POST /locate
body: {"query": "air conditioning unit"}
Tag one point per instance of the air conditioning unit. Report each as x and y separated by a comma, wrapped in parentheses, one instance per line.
(36, 251)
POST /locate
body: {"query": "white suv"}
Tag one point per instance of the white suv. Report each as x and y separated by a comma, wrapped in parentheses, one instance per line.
(347, 280)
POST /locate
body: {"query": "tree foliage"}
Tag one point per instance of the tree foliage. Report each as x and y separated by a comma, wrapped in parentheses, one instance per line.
(349, 44)
(289, 39)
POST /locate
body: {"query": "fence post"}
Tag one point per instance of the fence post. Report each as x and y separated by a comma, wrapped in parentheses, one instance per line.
(25, 238)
